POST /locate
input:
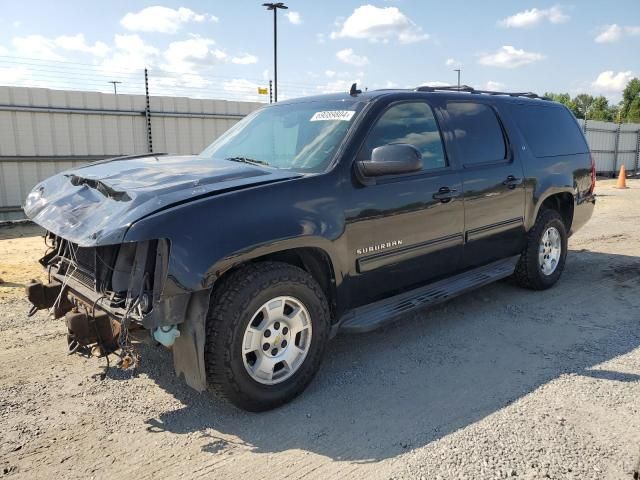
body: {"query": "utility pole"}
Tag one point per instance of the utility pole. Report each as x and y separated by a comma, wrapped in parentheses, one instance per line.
(458, 70)
(275, 7)
(115, 88)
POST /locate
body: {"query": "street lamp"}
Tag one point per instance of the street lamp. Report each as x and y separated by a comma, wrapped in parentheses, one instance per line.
(115, 88)
(275, 7)
(458, 70)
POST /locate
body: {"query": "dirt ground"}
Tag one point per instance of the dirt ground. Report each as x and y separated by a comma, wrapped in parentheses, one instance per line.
(501, 382)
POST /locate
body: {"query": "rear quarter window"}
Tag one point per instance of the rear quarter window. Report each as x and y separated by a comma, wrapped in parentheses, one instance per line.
(477, 131)
(549, 130)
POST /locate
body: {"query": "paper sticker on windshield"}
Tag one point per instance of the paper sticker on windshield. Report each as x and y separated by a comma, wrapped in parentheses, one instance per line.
(333, 115)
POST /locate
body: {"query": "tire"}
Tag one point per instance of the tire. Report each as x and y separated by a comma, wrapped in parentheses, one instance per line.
(242, 299)
(530, 271)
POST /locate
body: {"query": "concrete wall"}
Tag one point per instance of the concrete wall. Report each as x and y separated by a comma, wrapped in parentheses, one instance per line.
(46, 131)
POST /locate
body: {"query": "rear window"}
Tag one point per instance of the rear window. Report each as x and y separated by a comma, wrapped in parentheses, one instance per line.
(549, 131)
(478, 133)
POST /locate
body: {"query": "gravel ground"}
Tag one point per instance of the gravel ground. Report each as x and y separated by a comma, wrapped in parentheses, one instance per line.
(499, 383)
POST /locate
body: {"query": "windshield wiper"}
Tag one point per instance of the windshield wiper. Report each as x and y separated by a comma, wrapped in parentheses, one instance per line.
(250, 161)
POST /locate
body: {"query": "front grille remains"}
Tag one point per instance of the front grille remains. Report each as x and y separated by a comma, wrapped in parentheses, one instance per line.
(81, 264)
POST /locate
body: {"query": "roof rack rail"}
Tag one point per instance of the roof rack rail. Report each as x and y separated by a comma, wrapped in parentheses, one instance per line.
(456, 88)
(468, 89)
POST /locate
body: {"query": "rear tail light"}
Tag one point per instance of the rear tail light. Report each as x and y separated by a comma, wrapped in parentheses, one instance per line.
(593, 175)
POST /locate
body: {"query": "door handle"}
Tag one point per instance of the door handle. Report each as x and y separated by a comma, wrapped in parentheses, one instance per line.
(445, 194)
(512, 182)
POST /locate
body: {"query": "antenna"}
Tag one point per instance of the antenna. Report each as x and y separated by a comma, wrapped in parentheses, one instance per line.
(115, 88)
(354, 90)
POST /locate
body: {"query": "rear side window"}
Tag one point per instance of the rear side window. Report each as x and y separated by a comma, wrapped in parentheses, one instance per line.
(549, 131)
(412, 123)
(478, 133)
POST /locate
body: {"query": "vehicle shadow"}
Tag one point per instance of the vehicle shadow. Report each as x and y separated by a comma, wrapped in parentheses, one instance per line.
(381, 394)
(9, 231)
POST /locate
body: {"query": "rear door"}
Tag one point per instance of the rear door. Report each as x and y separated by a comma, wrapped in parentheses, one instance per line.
(492, 177)
(404, 230)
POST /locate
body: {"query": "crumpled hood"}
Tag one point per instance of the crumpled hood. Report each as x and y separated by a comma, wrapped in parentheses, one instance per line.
(95, 204)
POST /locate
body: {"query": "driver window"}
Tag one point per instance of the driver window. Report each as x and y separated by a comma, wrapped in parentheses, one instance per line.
(412, 123)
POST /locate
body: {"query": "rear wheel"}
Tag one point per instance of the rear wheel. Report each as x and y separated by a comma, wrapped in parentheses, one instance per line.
(543, 260)
(267, 327)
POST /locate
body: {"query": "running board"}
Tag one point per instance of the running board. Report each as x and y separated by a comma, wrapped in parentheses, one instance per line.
(375, 315)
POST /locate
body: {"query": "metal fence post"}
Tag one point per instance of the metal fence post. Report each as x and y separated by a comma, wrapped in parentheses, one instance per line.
(270, 91)
(147, 111)
(615, 151)
(635, 167)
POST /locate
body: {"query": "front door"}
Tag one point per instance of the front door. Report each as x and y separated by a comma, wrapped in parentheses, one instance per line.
(405, 230)
(494, 195)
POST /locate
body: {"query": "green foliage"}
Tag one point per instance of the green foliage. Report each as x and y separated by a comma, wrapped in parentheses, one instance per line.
(565, 99)
(583, 104)
(630, 93)
(598, 108)
(633, 113)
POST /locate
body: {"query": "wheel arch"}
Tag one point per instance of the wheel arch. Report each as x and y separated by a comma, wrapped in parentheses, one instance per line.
(314, 260)
(562, 201)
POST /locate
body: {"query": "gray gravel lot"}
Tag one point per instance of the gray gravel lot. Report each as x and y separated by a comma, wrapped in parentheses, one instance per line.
(499, 383)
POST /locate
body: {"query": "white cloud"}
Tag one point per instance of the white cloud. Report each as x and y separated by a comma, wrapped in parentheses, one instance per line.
(12, 75)
(609, 34)
(294, 17)
(452, 62)
(320, 38)
(508, 56)
(380, 25)
(162, 19)
(245, 90)
(184, 55)
(434, 83)
(493, 86)
(130, 54)
(78, 43)
(35, 46)
(337, 86)
(246, 59)
(613, 33)
(330, 73)
(529, 18)
(347, 56)
(610, 81)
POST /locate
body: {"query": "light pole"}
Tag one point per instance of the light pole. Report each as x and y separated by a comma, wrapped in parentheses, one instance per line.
(458, 70)
(115, 88)
(275, 7)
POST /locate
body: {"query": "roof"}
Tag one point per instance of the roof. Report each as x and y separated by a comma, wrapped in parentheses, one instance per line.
(463, 93)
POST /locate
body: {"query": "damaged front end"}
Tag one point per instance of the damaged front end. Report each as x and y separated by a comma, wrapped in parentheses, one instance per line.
(108, 293)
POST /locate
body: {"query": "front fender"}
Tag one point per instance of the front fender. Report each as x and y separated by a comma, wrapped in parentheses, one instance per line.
(211, 235)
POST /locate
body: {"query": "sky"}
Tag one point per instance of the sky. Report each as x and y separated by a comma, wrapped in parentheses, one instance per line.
(215, 49)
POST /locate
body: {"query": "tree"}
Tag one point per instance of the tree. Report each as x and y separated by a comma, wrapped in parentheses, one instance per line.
(600, 110)
(565, 99)
(633, 113)
(583, 103)
(629, 94)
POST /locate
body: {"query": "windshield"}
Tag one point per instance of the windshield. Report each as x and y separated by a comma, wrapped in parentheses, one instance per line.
(298, 136)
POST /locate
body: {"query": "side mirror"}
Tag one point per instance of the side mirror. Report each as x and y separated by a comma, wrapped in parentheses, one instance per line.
(393, 159)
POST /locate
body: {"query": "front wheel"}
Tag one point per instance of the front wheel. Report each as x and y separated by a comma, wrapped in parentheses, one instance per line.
(267, 327)
(543, 259)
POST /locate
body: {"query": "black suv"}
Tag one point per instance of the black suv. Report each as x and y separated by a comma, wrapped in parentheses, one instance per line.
(309, 217)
